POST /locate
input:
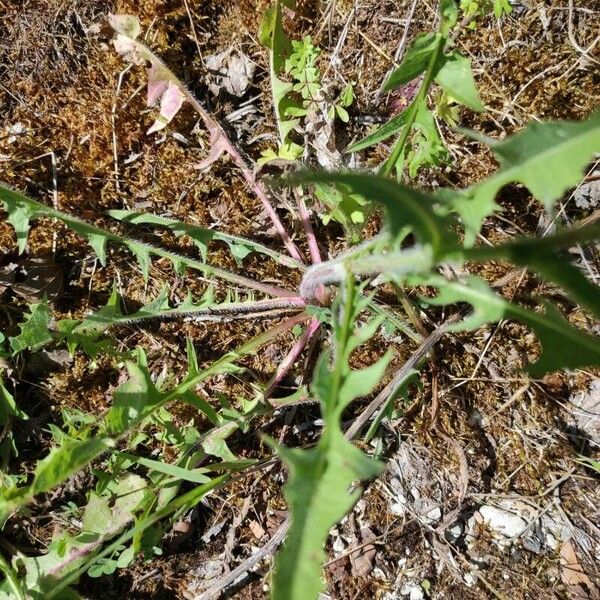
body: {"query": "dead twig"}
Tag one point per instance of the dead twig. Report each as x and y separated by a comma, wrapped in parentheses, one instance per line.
(400, 49)
(113, 118)
(584, 51)
(276, 539)
(193, 28)
(400, 375)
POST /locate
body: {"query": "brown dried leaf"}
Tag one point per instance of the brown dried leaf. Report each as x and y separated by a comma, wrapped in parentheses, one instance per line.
(162, 85)
(573, 576)
(257, 530)
(233, 71)
(218, 146)
(33, 277)
(362, 561)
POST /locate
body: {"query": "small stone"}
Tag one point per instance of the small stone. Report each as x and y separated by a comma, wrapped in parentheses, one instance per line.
(416, 593)
(454, 533)
(397, 508)
(338, 545)
(533, 544)
(502, 521)
(408, 589)
(432, 516)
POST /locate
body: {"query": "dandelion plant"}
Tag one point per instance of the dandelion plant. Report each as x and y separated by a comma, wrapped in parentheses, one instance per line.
(428, 241)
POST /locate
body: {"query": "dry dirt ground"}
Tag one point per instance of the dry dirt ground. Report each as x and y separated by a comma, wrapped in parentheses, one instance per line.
(483, 497)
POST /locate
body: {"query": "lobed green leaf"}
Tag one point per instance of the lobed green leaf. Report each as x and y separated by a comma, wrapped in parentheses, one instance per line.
(563, 346)
(318, 488)
(34, 329)
(240, 247)
(16, 202)
(547, 158)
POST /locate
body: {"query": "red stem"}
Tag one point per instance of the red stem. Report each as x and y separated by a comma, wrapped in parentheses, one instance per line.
(224, 144)
(289, 361)
(219, 136)
(308, 229)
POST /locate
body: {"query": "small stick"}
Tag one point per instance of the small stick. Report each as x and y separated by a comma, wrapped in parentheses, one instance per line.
(54, 197)
(420, 353)
(574, 43)
(193, 28)
(113, 116)
(276, 539)
(215, 590)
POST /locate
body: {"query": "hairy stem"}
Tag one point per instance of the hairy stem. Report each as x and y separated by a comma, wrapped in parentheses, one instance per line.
(36, 209)
(288, 362)
(228, 311)
(313, 246)
(412, 260)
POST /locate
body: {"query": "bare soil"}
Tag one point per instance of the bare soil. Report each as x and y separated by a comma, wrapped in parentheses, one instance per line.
(476, 430)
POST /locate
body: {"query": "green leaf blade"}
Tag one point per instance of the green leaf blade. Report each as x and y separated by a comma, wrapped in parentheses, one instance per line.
(548, 158)
(563, 346)
(415, 61)
(456, 77)
(318, 493)
(319, 486)
(382, 133)
(132, 399)
(405, 206)
(66, 460)
(34, 330)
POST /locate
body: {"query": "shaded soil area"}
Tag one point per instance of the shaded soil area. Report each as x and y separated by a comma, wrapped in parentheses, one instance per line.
(475, 431)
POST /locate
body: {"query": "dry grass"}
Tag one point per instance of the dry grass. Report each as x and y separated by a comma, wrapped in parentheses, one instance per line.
(61, 85)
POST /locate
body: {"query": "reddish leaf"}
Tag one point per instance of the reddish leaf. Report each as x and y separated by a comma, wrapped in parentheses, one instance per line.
(162, 84)
(170, 103)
